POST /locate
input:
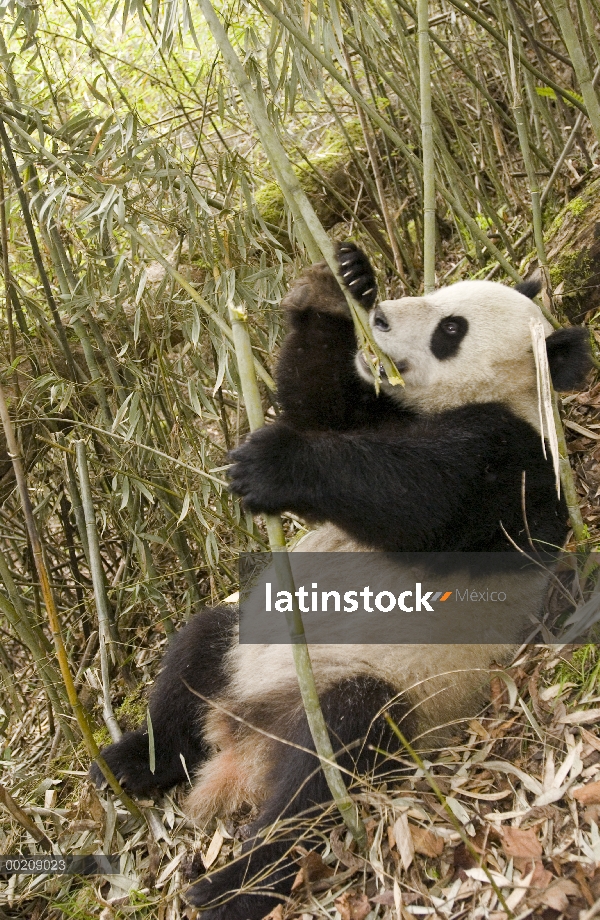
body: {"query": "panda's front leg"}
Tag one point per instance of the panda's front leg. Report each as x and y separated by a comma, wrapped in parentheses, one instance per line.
(269, 468)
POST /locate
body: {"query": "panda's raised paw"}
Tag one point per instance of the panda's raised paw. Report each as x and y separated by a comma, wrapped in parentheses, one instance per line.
(357, 273)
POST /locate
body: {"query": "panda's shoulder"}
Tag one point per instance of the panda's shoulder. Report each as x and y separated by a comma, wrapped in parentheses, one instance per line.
(489, 422)
(494, 413)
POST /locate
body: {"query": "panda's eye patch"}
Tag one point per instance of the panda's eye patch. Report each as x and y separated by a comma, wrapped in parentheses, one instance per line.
(380, 322)
(447, 336)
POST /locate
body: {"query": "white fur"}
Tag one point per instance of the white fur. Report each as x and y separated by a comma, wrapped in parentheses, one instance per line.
(494, 362)
(259, 671)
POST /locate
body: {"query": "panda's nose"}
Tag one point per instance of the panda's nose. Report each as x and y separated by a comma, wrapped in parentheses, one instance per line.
(379, 321)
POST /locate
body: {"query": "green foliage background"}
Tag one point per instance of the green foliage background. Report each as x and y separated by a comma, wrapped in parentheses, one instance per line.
(155, 210)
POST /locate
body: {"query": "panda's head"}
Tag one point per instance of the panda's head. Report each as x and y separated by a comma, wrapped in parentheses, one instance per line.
(471, 343)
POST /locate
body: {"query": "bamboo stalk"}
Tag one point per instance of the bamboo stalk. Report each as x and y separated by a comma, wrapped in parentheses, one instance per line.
(565, 471)
(35, 249)
(428, 150)
(532, 179)
(75, 500)
(284, 575)
(7, 679)
(567, 480)
(34, 639)
(567, 148)
(316, 241)
(580, 64)
(374, 160)
(53, 619)
(12, 345)
(100, 595)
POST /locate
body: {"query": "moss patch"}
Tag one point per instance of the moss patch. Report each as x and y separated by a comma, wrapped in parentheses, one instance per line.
(130, 715)
(331, 169)
(132, 711)
(581, 669)
(573, 244)
(578, 206)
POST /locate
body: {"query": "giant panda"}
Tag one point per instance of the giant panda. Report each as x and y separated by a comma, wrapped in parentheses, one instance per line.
(436, 465)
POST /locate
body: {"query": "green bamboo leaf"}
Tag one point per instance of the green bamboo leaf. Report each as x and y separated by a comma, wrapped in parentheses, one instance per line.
(124, 493)
(96, 92)
(185, 508)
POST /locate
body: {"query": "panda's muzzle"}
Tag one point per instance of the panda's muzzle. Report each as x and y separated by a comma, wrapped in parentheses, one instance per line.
(401, 366)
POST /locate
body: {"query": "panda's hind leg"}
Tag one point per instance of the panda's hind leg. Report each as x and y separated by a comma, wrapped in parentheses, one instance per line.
(193, 664)
(262, 876)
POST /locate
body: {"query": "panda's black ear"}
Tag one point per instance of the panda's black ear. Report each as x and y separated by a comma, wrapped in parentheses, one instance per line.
(530, 288)
(569, 357)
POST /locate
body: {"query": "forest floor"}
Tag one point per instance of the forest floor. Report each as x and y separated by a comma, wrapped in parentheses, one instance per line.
(503, 823)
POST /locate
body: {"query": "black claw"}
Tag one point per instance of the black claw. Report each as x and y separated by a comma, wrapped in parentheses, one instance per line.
(357, 273)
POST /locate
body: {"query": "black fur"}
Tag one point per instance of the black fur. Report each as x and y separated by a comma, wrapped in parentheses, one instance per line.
(297, 786)
(530, 288)
(569, 357)
(447, 336)
(445, 482)
(317, 384)
(175, 712)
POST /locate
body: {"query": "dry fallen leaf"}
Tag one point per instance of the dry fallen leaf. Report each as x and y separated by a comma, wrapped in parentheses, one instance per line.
(386, 898)
(498, 694)
(588, 795)
(312, 869)
(585, 716)
(591, 814)
(213, 851)
(518, 893)
(426, 842)
(541, 877)
(590, 738)
(348, 859)
(404, 841)
(521, 844)
(86, 824)
(556, 894)
(353, 905)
